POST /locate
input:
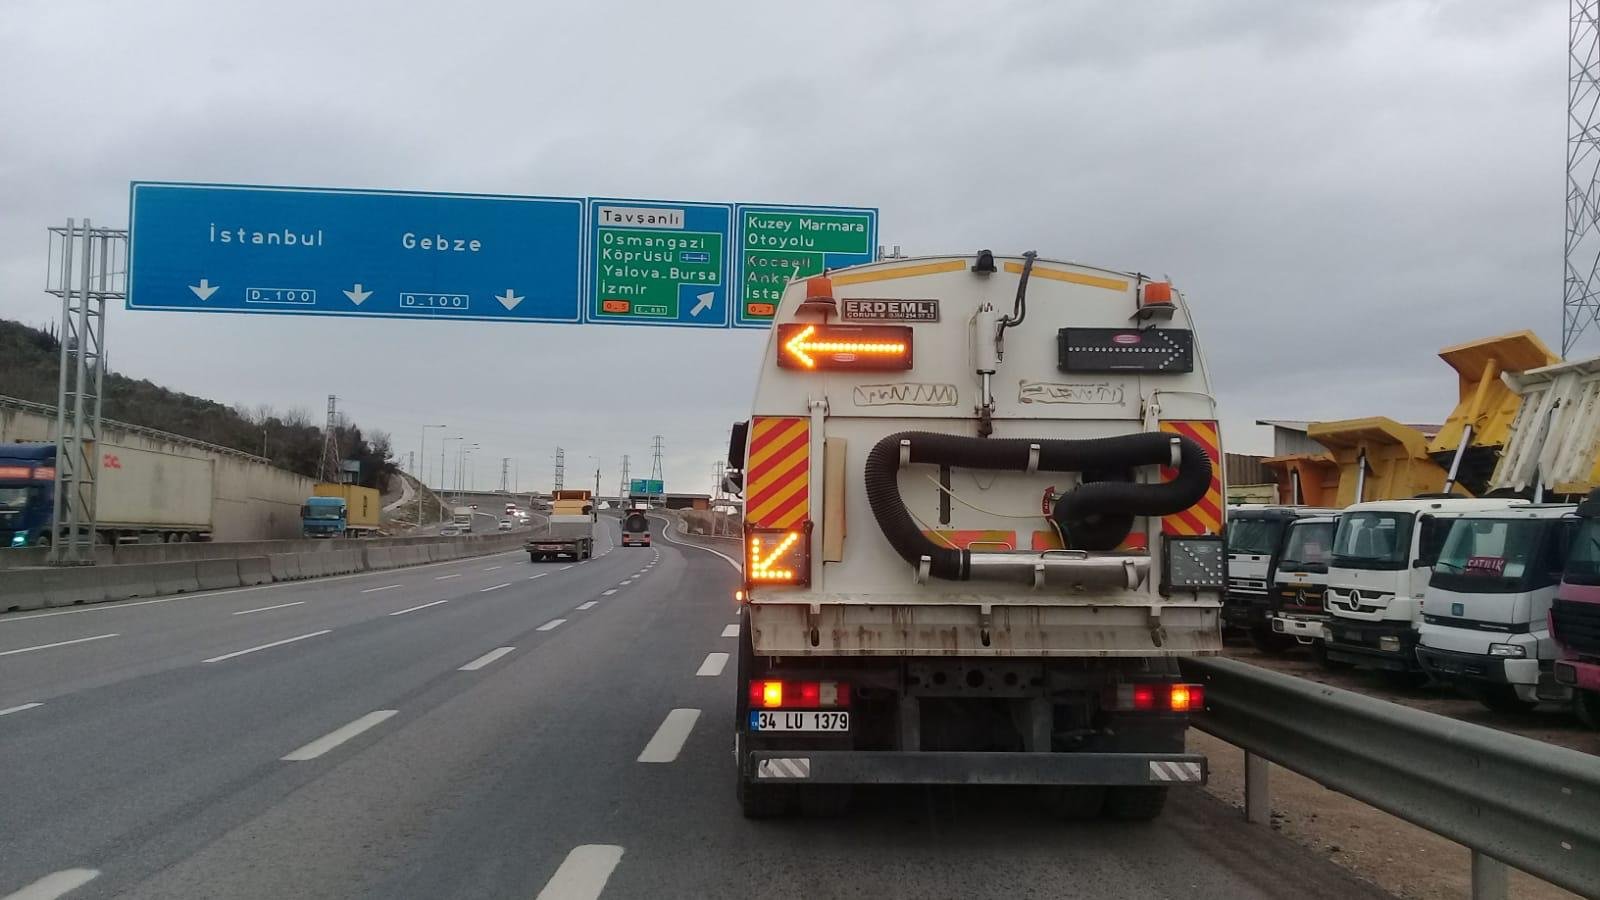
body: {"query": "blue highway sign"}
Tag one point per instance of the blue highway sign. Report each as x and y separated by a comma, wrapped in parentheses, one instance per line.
(328, 252)
(653, 262)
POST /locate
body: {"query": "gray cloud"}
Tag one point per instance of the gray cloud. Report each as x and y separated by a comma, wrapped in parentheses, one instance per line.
(1340, 188)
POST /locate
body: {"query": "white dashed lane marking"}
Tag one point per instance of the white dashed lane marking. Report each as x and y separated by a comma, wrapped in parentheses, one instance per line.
(713, 664)
(486, 659)
(583, 874)
(731, 630)
(338, 736)
(669, 738)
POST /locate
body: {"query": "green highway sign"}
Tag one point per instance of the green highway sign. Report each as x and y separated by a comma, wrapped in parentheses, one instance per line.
(780, 243)
(655, 262)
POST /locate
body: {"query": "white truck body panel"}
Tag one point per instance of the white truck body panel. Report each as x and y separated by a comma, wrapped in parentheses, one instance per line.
(567, 528)
(150, 489)
(867, 602)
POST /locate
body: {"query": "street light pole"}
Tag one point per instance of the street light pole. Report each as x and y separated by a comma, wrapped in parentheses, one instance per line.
(422, 483)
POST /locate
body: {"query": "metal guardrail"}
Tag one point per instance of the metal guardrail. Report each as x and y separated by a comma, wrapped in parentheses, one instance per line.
(1510, 799)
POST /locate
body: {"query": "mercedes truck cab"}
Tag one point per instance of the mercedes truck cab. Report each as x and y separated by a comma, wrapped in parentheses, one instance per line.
(1485, 612)
(1296, 613)
(1255, 538)
(1383, 554)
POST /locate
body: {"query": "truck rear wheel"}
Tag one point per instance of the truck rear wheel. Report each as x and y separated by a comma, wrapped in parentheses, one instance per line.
(1135, 803)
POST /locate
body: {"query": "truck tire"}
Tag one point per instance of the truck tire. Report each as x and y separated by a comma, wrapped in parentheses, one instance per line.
(1587, 705)
(759, 801)
(1131, 803)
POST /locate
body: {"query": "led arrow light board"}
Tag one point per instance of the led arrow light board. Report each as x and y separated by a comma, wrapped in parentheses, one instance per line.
(299, 251)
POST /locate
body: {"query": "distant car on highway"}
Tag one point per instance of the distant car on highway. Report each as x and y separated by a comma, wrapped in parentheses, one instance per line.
(505, 524)
(449, 531)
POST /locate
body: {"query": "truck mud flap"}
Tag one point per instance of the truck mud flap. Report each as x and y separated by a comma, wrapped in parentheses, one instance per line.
(937, 767)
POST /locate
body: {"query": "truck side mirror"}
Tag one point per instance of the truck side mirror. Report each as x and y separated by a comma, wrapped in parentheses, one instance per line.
(736, 445)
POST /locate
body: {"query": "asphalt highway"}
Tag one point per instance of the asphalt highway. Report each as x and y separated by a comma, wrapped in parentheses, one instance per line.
(494, 728)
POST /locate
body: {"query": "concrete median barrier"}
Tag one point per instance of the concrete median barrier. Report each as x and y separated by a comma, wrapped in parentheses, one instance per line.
(216, 574)
(73, 586)
(126, 582)
(284, 566)
(22, 589)
(175, 577)
(378, 558)
(313, 565)
(254, 570)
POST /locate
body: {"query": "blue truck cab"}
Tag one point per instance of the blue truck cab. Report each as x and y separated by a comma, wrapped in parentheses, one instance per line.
(27, 493)
(323, 517)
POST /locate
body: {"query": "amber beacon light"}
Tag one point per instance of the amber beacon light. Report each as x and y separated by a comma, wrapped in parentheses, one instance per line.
(808, 346)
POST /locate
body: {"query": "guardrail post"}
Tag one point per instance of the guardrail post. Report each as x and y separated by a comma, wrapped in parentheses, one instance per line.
(1490, 878)
(1257, 794)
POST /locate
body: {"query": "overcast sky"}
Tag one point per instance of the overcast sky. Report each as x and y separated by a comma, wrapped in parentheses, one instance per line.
(1341, 189)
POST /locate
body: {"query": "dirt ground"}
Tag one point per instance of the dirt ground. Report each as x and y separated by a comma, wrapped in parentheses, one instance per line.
(1398, 857)
(1551, 723)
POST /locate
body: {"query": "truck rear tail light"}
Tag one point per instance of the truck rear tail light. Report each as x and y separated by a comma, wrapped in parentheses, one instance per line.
(772, 694)
(1159, 697)
(777, 556)
(1186, 697)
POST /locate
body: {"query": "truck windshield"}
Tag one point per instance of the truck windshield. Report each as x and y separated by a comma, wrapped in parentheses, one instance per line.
(325, 512)
(1583, 561)
(1308, 548)
(13, 498)
(1373, 540)
(1497, 556)
(1254, 535)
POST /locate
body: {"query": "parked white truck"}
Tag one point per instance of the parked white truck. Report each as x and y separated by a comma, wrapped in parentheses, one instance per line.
(1297, 611)
(983, 523)
(142, 495)
(1383, 554)
(1485, 616)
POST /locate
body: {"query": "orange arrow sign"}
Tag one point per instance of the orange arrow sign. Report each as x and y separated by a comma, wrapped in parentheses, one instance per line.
(801, 346)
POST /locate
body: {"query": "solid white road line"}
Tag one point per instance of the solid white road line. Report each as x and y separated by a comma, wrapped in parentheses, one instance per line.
(583, 874)
(246, 612)
(494, 588)
(731, 630)
(607, 593)
(669, 738)
(16, 709)
(486, 659)
(666, 532)
(551, 625)
(98, 637)
(713, 664)
(443, 577)
(59, 884)
(387, 587)
(589, 605)
(267, 646)
(401, 612)
(338, 736)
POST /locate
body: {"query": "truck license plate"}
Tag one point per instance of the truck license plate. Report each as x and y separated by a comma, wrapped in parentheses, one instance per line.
(799, 721)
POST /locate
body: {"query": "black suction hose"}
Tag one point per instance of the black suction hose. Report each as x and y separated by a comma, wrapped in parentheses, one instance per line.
(1090, 515)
